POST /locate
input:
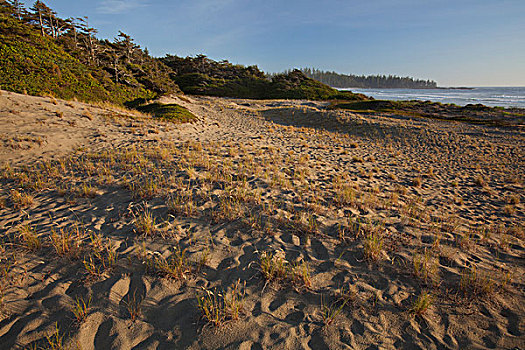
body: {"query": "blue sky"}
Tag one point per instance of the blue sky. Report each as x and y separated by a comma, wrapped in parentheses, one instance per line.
(456, 43)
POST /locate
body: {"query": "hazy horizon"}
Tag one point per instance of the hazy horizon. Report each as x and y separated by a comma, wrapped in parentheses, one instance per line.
(473, 43)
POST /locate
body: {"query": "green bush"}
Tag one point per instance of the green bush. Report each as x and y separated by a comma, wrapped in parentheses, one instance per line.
(170, 112)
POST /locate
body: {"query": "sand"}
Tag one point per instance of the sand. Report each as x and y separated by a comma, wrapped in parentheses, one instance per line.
(140, 219)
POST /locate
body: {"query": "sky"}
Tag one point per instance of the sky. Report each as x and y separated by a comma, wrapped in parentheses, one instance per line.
(456, 42)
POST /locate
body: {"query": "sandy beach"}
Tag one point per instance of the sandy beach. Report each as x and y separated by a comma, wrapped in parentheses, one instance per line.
(275, 224)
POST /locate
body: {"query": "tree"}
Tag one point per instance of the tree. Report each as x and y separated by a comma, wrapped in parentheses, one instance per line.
(371, 81)
(19, 10)
(47, 19)
(39, 9)
(125, 42)
(90, 42)
(112, 56)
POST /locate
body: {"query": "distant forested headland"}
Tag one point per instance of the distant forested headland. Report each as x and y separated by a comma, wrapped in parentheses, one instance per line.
(343, 81)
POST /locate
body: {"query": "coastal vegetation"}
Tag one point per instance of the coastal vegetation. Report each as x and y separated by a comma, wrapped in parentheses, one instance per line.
(169, 112)
(201, 75)
(474, 114)
(43, 54)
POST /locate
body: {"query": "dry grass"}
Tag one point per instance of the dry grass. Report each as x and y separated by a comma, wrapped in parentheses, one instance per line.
(279, 270)
(466, 241)
(373, 246)
(182, 205)
(29, 238)
(55, 340)
(329, 312)
(133, 305)
(177, 266)
(513, 199)
(345, 195)
(476, 283)
(21, 200)
(480, 181)
(425, 267)
(509, 210)
(145, 223)
(68, 241)
(273, 268)
(88, 115)
(218, 307)
(81, 309)
(121, 111)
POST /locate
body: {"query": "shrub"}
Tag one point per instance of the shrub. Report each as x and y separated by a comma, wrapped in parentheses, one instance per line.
(170, 112)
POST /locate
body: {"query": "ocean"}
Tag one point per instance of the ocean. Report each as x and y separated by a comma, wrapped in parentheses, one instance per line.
(489, 96)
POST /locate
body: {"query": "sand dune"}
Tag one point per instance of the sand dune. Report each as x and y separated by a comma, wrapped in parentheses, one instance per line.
(307, 227)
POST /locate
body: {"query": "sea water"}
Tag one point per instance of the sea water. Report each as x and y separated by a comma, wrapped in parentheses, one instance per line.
(489, 96)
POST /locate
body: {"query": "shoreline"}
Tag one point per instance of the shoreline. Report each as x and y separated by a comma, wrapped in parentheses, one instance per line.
(506, 97)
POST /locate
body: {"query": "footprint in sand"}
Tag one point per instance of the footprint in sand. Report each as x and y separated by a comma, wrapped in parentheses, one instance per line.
(513, 322)
(119, 290)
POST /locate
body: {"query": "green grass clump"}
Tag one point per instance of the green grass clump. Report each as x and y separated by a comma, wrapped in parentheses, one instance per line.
(171, 112)
(81, 308)
(421, 304)
(373, 246)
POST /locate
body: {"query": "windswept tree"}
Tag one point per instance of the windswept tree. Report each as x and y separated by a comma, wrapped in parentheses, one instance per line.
(111, 57)
(62, 26)
(39, 9)
(126, 44)
(90, 42)
(51, 21)
(19, 10)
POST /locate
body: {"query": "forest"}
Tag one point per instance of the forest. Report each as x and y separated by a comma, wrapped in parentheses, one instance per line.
(344, 81)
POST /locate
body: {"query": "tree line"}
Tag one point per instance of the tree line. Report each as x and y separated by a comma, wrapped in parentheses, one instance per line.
(342, 81)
